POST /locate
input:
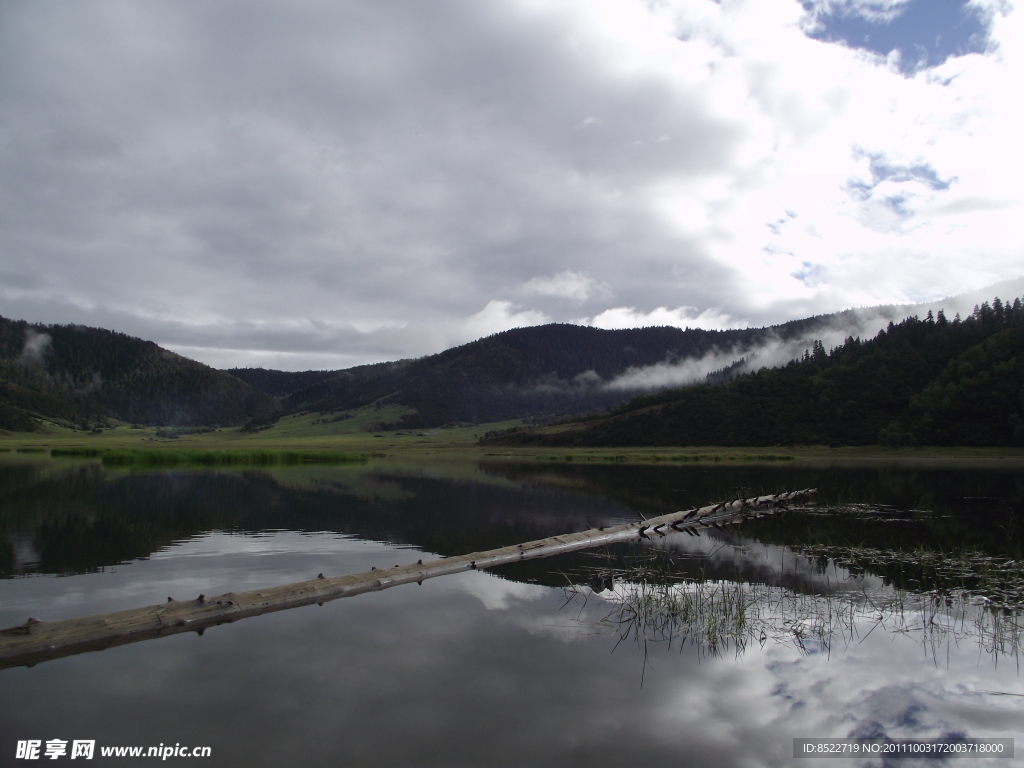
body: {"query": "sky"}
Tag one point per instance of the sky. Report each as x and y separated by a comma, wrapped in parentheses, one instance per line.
(322, 184)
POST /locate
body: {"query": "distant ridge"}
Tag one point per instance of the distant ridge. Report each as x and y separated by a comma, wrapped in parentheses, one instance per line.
(555, 370)
(930, 381)
(548, 370)
(79, 377)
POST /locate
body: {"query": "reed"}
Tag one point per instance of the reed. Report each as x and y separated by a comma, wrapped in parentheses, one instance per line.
(647, 604)
(161, 458)
(998, 582)
(673, 457)
(82, 453)
(113, 457)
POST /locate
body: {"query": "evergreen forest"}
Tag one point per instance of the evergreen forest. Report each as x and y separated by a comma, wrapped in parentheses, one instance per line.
(80, 377)
(930, 381)
(541, 372)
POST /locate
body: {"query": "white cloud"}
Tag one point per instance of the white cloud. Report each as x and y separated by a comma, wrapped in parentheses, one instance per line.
(272, 359)
(682, 317)
(36, 346)
(575, 286)
(357, 180)
(674, 373)
(498, 594)
(496, 317)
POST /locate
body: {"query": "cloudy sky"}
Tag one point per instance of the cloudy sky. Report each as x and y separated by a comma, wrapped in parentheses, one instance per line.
(325, 183)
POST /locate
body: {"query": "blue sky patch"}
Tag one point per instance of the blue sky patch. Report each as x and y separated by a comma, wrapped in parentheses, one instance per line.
(926, 32)
(810, 274)
(895, 203)
(882, 169)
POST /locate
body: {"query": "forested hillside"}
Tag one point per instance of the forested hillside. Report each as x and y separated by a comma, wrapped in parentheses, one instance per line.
(930, 382)
(79, 376)
(280, 383)
(550, 370)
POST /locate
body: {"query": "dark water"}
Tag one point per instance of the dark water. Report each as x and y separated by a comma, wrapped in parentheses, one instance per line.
(528, 665)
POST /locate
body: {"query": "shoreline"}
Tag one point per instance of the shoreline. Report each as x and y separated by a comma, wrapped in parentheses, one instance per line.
(460, 444)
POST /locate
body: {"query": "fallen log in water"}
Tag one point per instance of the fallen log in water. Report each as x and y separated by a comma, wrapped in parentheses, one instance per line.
(35, 641)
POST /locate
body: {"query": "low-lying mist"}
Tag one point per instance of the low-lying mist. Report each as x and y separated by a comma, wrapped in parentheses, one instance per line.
(777, 347)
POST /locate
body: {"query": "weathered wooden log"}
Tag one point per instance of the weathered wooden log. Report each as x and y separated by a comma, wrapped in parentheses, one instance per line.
(35, 641)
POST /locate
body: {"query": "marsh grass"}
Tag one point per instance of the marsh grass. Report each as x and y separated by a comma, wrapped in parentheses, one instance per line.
(79, 453)
(179, 457)
(648, 604)
(671, 457)
(997, 582)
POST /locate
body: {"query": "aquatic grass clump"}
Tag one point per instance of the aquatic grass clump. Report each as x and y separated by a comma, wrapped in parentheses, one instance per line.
(713, 615)
(710, 614)
(723, 457)
(83, 453)
(658, 457)
(971, 574)
(647, 602)
(163, 458)
(323, 457)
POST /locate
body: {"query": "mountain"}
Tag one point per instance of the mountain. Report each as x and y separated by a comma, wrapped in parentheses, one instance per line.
(543, 371)
(929, 382)
(79, 376)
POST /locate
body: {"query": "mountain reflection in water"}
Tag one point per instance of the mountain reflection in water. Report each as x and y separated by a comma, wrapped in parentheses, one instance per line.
(849, 621)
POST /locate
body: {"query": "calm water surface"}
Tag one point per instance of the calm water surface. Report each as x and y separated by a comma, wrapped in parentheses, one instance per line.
(528, 665)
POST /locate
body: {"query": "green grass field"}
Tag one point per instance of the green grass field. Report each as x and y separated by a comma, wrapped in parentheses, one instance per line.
(361, 433)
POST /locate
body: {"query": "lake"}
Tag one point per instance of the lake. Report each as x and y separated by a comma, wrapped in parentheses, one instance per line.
(889, 609)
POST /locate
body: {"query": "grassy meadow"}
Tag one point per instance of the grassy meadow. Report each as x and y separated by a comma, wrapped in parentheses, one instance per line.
(339, 437)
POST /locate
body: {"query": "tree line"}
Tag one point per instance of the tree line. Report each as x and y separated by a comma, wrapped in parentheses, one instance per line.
(80, 377)
(930, 381)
